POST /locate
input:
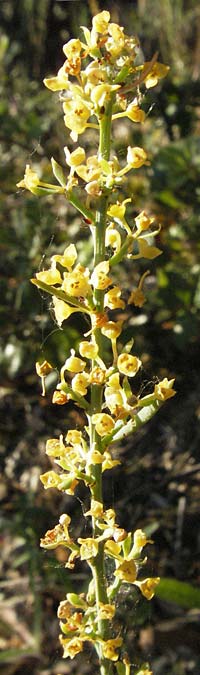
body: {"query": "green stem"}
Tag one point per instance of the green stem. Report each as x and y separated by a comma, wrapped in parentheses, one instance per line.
(98, 567)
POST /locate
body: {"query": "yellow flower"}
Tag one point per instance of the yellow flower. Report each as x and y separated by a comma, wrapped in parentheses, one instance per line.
(80, 383)
(104, 424)
(68, 258)
(164, 389)
(106, 611)
(101, 94)
(126, 571)
(88, 350)
(74, 158)
(74, 364)
(70, 646)
(117, 211)
(114, 395)
(136, 157)
(99, 277)
(100, 22)
(134, 113)
(50, 277)
(113, 238)
(157, 72)
(58, 82)
(112, 329)
(76, 115)
(72, 49)
(50, 479)
(30, 180)
(146, 251)
(60, 397)
(109, 648)
(74, 437)
(143, 222)
(140, 540)
(137, 298)
(115, 43)
(113, 298)
(93, 188)
(76, 282)
(128, 364)
(112, 548)
(88, 549)
(62, 310)
(96, 509)
(97, 375)
(55, 447)
(108, 462)
(145, 671)
(147, 586)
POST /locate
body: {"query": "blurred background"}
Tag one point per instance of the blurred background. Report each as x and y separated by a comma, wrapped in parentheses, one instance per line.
(157, 486)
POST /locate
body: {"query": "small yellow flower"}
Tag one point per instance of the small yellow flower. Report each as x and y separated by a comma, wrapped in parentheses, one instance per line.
(112, 548)
(74, 158)
(126, 571)
(100, 21)
(136, 157)
(59, 81)
(115, 43)
(50, 479)
(55, 447)
(148, 586)
(104, 424)
(80, 383)
(76, 282)
(74, 437)
(88, 549)
(96, 509)
(157, 72)
(99, 278)
(60, 397)
(88, 350)
(93, 188)
(74, 364)
(112, 329)
(146, 251)
(134, 113)
(71, 647)
(143, 222)
(108, 462)
(113, 238)
(68, 258)
(30, 180)
(101, 94)
(72, 49)
(62, 310)
(128, 364)
(164, 389)
(50, 277)
(113, 298)
(106, 611)
(109, 648)
(137, 298)
(97, 375)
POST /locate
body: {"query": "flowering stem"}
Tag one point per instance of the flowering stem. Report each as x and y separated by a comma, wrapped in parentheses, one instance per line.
(98, 566)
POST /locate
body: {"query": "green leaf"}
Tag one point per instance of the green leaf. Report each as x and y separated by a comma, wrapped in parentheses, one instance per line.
(179, 592)
(58, 172)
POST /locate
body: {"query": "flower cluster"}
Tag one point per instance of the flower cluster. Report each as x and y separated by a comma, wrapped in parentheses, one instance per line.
(99, 82)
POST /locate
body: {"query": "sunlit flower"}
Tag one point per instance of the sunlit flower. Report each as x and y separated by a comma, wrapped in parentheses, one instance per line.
(113, 238)
(100, 21)
(99, 277)
(74, 158)
(101, 94)
(104, 424)
(68, 258)
(50, 277)
(143, 222)
(60, 397)
(97, 375)
(164, 389)
(88, 549)
(134, 113)
(59, 81)
(71, 647)
(96, 509)
(109, 648)
(30, 180)
(112, 329)
(137, 296)
(55, 447)
(126, 571)
(147, 251)
(74, 437)
(62, 310)
(136, 157)
(88, 350)
(74, 364)
(157, 72)
(76, 283)
(113, 300)
(50, 479)
(115, 43)
(76, 115)
(80, 383)
(128, 364)
(106, 611)
(148, 586)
